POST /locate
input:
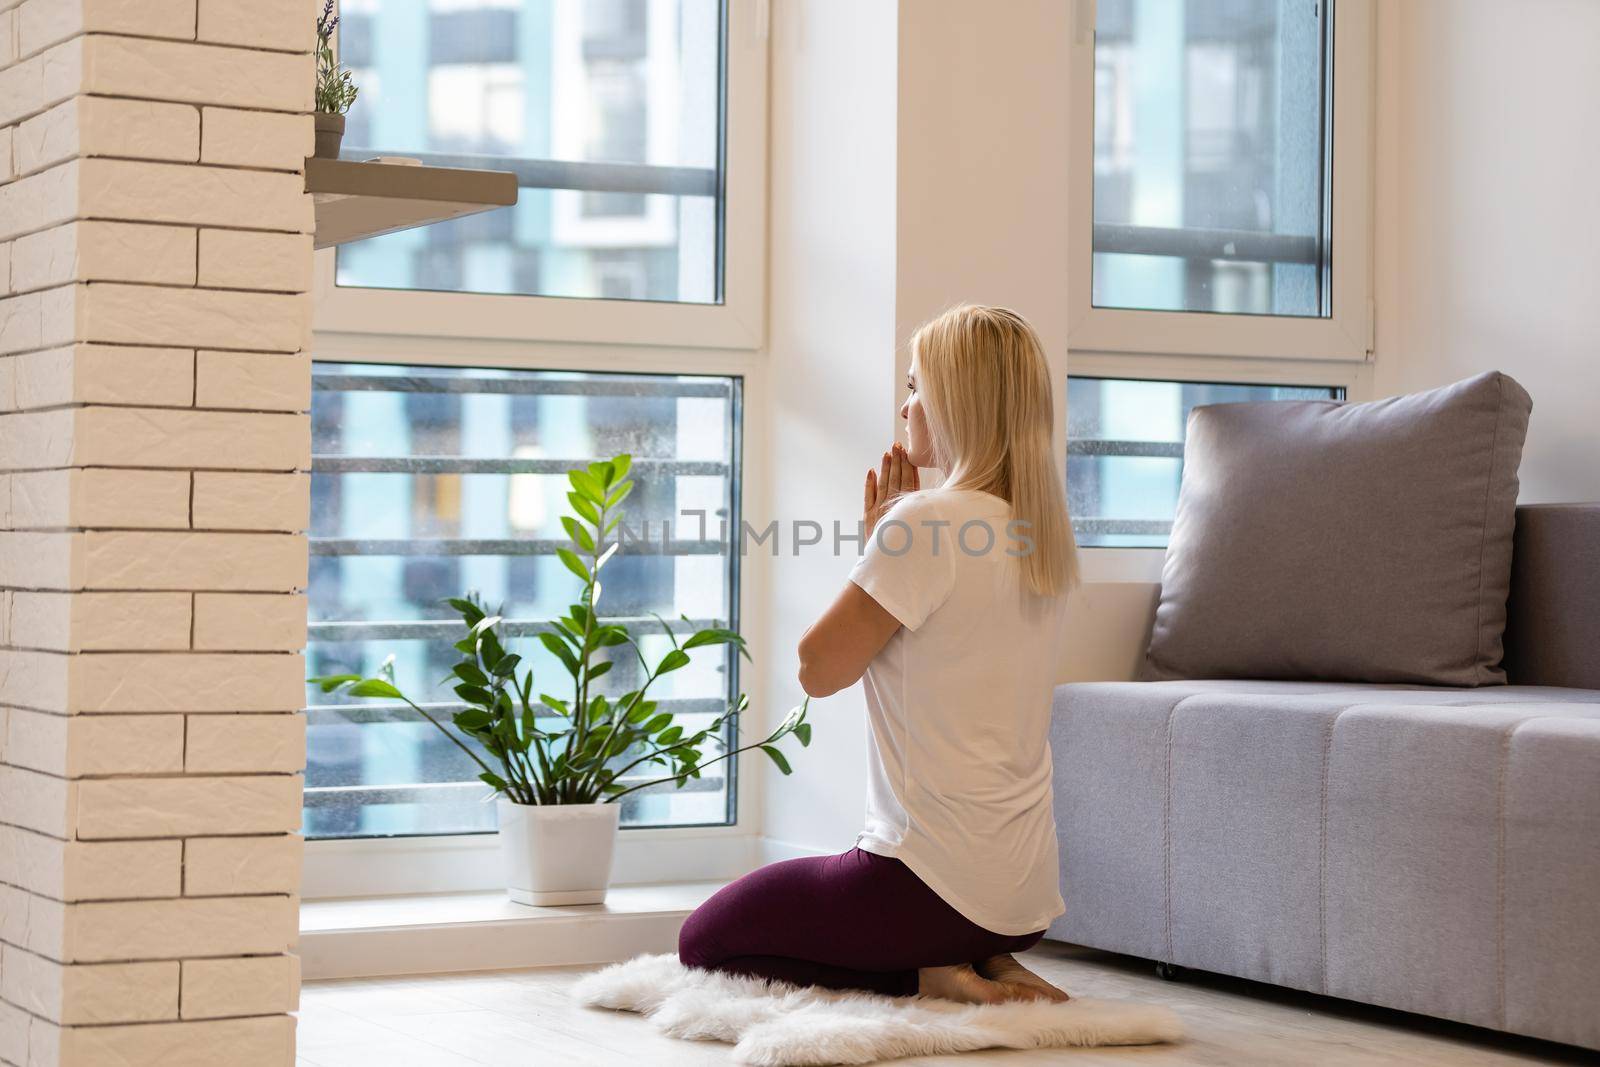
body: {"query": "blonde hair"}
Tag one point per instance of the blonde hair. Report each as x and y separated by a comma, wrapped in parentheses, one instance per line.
(985, 391)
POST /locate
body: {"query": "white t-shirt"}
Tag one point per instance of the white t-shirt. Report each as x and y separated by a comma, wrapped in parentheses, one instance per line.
(958, 701)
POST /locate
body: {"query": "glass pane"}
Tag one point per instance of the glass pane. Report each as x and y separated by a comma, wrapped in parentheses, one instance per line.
(607, 110)
(430, 481)
(1210, 167)
(1125, 451)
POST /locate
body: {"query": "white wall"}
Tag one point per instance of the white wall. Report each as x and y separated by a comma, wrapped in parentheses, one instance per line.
(1488, 216)
(832, 378)
(899, 189)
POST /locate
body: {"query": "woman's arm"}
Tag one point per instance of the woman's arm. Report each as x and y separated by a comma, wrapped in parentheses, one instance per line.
(835, 650)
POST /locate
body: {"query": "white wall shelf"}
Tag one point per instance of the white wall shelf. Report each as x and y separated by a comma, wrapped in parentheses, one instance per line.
(356, 200)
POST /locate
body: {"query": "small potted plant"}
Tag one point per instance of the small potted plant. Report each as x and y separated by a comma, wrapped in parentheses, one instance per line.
(335, 91)
(560, 764)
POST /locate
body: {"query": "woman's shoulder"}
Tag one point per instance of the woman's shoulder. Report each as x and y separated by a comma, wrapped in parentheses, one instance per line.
(943, 500)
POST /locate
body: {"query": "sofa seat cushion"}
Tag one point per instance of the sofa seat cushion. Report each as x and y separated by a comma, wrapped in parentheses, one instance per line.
(1424, 848)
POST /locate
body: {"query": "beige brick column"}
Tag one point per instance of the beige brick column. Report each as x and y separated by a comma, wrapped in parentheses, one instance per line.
(155, 267)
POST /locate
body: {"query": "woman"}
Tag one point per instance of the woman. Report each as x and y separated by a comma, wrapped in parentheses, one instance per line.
(952, 616)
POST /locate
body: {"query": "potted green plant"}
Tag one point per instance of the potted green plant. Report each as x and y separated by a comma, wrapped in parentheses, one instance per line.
(560, 764)
(335, 91)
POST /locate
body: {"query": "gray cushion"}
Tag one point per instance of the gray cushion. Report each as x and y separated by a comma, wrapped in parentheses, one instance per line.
(1553, 616)
(1360, 542)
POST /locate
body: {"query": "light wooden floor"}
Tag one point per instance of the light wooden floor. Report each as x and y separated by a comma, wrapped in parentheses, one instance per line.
(525, 1018)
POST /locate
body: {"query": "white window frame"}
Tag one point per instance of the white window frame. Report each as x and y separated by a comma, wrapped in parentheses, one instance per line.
(738, 322)
(552, 333)
(1114, 564)
(1345, 336)
(1211, 347)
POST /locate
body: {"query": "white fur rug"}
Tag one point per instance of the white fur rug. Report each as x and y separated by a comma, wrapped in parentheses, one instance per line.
(772, 1023)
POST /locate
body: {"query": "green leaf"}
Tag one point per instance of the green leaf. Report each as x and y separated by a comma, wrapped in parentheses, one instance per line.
(569, 631)
(640, 713)
(620, 464)
(790, 721)
(473, 694)
(613, 635)
(601, 471)
(560, 651)
(603, 667)
(586, 484)
(574, 564)
(803, 732)
(597, 708)
(472, 719)
(507, 665)
(659, 723)
(619, 494)
(554, 702)
(713, 636)
(494, 781)
(672, 661)
(670, 737)
(490, 650)
(470, 612)
(666, 629)
(777, 757)
(330, 682)
(469, 672)
(585, 509)
(375, 687)
(581, 536)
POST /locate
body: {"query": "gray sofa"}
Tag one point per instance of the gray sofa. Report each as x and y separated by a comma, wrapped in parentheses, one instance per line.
(1430, 849)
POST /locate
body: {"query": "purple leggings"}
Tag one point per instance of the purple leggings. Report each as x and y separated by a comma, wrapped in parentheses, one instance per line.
(852, 921)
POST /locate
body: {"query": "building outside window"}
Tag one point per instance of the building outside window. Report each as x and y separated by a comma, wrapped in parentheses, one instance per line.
(428, 482)
(433, 475)
(1209, 162)
(607, 111)
(1125, 451)
(1224, 256)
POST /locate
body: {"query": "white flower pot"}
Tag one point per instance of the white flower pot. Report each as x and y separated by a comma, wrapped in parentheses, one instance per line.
(557, 853)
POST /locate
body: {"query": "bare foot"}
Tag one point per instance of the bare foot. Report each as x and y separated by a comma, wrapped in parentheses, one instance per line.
(1007, 973)
(960, 983)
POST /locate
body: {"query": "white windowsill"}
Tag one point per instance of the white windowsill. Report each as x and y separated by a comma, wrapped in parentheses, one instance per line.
(443, 932)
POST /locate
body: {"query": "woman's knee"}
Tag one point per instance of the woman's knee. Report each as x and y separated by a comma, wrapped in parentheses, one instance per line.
(695, 941)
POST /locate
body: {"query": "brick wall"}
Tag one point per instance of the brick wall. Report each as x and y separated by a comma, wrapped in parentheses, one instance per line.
(155, 267)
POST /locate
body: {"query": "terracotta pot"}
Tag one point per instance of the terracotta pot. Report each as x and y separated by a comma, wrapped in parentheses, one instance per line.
(557, 853)
(330, 131)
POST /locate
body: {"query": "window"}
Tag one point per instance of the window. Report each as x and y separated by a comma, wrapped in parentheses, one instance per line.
(1209, 167)
(637, 131)
(1125, 451)
(608, 112)
(1223, 178)
(428, 481)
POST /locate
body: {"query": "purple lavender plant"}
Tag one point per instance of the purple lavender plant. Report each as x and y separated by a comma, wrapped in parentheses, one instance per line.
(335, 91)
